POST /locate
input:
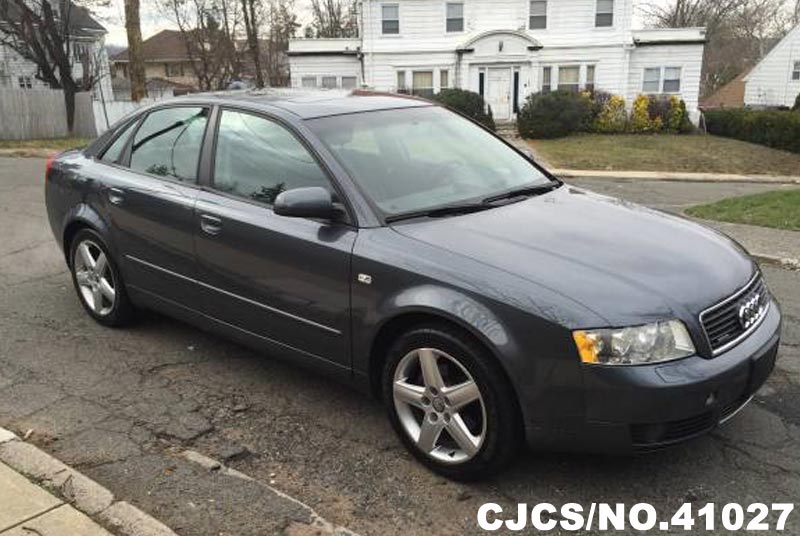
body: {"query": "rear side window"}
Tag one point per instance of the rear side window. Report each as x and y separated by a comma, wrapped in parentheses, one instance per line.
(114, 151)
(168, 143)
(258, 159)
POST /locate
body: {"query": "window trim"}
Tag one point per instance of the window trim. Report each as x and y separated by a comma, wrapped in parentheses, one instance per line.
(613, 13)
(125, 160)
(664, 80)
(795, 77)
(399, 28)
(309, 77)
(560, 66)
(662, 69)
(447, 19)
(546, 15)
(349, 218)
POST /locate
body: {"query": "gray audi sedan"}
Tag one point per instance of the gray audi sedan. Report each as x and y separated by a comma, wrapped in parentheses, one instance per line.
(390, 243)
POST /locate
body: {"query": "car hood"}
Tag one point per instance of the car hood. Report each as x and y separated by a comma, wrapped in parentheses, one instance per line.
(626, 263)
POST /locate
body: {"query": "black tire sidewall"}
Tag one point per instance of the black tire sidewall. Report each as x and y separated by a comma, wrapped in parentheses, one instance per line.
(121, 311)
(502, 424)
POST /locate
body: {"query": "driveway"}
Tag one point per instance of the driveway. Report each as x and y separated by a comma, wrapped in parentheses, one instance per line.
(119, 404)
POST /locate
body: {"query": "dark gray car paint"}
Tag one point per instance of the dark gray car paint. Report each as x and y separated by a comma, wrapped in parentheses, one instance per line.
(518, 277)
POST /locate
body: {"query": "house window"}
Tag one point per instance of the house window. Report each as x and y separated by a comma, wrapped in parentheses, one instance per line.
(422, 84)
(390, 19)
(329, 82)
(444, 79)
(547, 79)
(796, 71)
(173, 69)
(589, 78)
(538, 15)
(569, 78)
(349, 82)
(672, 80)
(309, 81)
(455, 16)
(604, 16)
(25, 82)
(401, 82)
(652, 80)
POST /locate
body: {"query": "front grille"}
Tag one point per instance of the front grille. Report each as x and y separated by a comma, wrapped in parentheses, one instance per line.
(729, 322)
(653, 436)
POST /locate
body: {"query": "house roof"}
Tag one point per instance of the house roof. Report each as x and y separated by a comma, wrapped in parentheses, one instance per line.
(81, 21)
(794, 32)
(163, 46)
(731, 95)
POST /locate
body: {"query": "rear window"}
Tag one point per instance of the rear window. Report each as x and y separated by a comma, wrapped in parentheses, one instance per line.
(114, 151)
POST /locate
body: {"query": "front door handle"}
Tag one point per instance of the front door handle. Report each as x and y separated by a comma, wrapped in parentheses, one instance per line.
(210, 224)
(116, 196)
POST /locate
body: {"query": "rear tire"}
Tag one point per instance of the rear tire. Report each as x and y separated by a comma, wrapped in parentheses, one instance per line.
(450, 403)
(98, 280)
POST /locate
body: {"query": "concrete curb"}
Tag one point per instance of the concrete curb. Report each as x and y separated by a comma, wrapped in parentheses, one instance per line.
(76, 489)
(781, 262)
(674, 176)
(28, 153)
(319, 525)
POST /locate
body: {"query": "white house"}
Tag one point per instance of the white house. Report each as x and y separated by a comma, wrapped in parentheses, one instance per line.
(87, 40)
(505, 50)
(775, 80)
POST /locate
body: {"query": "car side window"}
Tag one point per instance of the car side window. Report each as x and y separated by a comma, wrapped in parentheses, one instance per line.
(114, 151)
(169, 141)
(258, 159)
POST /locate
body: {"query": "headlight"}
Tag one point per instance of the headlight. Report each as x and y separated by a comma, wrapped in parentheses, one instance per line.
(651, 343)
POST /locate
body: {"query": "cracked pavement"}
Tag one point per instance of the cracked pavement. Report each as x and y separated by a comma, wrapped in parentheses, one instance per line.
(119, 405)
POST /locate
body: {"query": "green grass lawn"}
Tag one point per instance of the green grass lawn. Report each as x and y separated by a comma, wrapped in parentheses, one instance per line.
(56, 144)
(780, 209)
(665, 152)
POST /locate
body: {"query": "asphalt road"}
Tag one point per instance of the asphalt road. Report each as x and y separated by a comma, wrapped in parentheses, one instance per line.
(118, 404)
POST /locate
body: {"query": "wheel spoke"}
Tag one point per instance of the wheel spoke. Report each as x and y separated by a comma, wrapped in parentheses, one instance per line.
(82, 278)
(428, 435)
(430, 368)
(86, 256)
(462, 394)
(97, 299)
(462, 436)
(100, 264)
(107, 290)
(408, 393)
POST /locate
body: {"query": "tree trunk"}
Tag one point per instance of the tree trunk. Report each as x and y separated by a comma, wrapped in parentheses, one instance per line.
(69, 105)
(135, 60)
(251, 29)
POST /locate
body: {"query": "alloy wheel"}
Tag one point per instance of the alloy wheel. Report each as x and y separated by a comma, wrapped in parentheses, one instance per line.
(439, 405)
(94, 277)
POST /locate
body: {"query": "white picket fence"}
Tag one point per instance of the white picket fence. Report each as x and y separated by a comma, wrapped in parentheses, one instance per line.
(108, 113)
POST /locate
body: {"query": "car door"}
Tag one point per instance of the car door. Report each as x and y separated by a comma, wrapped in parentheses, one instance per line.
(150, 197)
(286, 280)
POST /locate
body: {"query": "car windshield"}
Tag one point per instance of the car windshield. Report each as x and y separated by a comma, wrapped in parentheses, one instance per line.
(416, 159)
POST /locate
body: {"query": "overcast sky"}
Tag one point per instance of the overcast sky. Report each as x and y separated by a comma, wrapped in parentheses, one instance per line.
(153, 21)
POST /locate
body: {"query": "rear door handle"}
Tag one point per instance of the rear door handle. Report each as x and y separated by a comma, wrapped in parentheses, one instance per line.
(210, 224)
(116, 196)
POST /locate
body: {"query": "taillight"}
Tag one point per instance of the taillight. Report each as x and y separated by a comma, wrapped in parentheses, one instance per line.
(49, 165)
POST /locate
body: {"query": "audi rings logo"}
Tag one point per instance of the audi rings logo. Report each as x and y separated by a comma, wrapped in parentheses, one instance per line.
(750, 311)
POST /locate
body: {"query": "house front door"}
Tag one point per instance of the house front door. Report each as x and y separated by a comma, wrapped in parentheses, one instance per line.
(499, 93)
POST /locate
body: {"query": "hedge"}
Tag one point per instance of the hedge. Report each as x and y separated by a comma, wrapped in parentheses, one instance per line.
(468, 103)
(777, 129)
(554, 114)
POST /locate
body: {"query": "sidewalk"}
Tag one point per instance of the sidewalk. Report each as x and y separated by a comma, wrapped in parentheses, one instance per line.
(62, 501)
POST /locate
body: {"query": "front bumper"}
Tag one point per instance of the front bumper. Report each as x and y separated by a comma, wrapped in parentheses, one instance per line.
(646, 407)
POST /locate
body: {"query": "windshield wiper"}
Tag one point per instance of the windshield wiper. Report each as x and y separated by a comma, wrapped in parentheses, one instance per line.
(447, 210)
(524, 191)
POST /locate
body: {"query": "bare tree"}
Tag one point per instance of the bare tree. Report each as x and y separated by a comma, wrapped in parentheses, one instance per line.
(251, 10)
(209, 29)
(334, 18)
(44, 36)
(135, 60)
(283, 25)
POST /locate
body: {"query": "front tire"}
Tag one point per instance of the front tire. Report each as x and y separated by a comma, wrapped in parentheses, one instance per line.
(98, 281)
(450, 403)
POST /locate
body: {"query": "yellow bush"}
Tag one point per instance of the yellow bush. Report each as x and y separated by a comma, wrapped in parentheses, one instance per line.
(612, 119)
(640, 116)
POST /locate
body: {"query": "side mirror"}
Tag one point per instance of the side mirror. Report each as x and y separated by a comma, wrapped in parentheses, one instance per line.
(312, 202)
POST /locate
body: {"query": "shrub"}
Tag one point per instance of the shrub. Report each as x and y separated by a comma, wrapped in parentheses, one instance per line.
(554, 115)
(612, 117)
(796, 107)
(640, 116)
(678, 121)
(468, 103)
(777, 129)
(658, 108)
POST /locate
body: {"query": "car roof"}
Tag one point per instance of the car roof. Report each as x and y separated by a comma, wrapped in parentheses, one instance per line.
(310, 104)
